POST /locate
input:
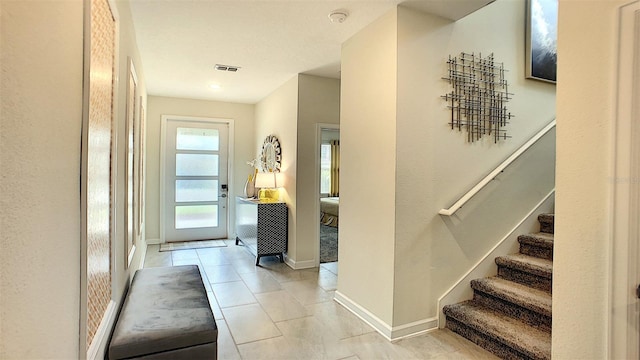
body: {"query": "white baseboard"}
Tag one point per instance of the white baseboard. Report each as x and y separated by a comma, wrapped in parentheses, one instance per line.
(413, 329)
(98, 346)
(143, 255)
(153, 241)
(389, 332)
(299, 265)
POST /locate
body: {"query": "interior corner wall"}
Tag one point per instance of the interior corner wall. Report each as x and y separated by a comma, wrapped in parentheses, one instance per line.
(368, 167)
(318, 102)
(244, 123)
(436, 165)
(586, 111)
(40, 133)
(277, 114)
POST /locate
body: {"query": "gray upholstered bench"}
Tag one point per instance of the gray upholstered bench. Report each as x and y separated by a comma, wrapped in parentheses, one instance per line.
(166, 315)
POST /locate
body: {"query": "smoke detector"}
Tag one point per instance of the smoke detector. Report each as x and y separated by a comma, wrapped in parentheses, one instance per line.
(338, 16)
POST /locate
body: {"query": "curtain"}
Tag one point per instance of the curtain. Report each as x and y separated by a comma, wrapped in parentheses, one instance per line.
(335, 168)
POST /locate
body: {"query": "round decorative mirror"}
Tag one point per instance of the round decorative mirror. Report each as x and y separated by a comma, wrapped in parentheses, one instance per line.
(271, 154)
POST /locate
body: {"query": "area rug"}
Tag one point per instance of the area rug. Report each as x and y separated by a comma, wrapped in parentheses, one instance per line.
(328, 243)
(187, 245)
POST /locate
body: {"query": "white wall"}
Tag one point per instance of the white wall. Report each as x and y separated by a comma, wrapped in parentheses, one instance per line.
(41, 116)
(318, 102)
(368, 167)
(586, 100)
(127, 49)
(291, 113)
(394, 124)
(277, 114)
(243, 116)
(41, 119)
(436, 165)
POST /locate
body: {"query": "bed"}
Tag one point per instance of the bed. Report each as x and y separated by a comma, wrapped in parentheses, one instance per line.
(329, 210)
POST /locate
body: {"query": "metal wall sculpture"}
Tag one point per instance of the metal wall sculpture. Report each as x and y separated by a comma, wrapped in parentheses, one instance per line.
(479, 96)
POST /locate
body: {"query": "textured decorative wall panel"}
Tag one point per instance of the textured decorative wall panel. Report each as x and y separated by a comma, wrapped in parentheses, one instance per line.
(99, 164)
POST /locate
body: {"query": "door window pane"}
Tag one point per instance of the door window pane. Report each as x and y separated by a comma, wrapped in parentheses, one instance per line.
(196, 165)
(196, 216)
(197, 139)
(196, 190)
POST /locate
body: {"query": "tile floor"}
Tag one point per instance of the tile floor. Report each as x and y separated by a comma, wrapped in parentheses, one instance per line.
(274, 312)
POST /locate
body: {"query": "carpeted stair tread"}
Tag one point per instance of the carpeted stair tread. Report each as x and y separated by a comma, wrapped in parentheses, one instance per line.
(537, 245)
(546, 217)
(538, 301)
(529, 341)
(544, 240)
(547, 223)
(529, 264)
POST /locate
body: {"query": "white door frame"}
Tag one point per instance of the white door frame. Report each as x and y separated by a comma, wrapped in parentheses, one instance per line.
(624, 318)
(316, 186)
(230, 157)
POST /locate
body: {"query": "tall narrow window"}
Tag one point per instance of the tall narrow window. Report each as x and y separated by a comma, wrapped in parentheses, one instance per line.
(325, 169)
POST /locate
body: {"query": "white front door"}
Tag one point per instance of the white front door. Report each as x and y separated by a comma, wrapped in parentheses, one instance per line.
(195, 179)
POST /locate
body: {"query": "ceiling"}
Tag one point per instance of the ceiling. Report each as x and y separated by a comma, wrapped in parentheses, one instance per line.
(271, 41)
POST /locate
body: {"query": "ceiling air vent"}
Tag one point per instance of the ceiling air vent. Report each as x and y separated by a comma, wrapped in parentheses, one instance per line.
(227, 67)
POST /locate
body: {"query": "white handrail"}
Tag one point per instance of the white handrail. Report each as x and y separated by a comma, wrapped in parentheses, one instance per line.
(463, 200)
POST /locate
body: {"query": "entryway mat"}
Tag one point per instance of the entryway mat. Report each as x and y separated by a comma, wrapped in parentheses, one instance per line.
(187, 245)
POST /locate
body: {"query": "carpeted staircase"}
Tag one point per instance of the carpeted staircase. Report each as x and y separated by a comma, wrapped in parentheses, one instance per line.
(510, 314)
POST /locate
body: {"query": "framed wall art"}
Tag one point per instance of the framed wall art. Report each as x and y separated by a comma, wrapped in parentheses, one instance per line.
(140, 167)
(541, 40)
(130, 120)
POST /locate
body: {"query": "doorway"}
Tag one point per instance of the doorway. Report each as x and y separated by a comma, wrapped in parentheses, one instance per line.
(329, 192)
(194, 182)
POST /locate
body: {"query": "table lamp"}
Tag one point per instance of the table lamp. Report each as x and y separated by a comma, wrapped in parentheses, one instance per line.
(266, 182)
